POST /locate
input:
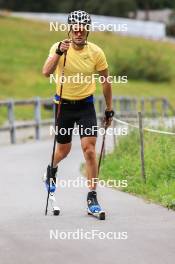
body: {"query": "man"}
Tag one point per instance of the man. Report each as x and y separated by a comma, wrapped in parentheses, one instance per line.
(77, 106)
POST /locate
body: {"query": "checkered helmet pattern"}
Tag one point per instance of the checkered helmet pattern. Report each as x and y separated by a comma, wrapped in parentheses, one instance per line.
(79, 17)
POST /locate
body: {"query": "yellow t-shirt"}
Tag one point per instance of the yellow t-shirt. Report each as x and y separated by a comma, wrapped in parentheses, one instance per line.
(79, 69)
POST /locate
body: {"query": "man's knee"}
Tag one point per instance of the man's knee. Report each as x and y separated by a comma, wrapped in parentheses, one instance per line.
(63, 150)
(89, 151)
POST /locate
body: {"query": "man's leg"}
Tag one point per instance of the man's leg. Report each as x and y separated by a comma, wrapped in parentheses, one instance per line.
(61, 152)
(88, 147)
(63, 145)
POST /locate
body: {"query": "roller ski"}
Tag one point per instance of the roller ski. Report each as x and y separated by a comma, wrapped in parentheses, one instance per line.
(50, 177)
(94, 208)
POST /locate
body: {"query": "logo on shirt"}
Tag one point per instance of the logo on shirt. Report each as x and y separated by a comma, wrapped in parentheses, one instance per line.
(86, 57)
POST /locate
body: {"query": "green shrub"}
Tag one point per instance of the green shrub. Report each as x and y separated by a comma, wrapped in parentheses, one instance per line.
(142, 63)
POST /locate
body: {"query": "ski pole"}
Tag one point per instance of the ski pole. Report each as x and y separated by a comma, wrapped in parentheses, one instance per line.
(56, 122)
(102, 148)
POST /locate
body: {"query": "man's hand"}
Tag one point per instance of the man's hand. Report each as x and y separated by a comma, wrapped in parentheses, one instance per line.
(65, 44)
(108, 117)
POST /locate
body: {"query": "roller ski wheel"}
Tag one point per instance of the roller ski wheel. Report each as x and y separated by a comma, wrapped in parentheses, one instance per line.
(100, 215)
(56, 211)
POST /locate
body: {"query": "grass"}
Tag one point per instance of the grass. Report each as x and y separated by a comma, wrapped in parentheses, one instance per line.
(124, 164)
(24, 48)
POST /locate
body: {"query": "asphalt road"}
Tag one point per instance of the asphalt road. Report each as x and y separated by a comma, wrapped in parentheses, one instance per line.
(25, 230)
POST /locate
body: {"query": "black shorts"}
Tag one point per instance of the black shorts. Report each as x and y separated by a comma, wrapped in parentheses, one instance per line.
(82, 114)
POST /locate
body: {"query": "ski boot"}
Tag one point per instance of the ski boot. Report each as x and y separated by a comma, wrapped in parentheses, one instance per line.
(94, 207)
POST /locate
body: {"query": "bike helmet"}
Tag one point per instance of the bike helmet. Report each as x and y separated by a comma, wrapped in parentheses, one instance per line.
(79, 17)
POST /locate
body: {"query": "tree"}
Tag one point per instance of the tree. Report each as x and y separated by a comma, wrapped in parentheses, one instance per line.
(119, 8)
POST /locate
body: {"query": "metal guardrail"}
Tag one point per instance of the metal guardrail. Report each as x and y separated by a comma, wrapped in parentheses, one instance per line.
(124, 107)
(36, 123)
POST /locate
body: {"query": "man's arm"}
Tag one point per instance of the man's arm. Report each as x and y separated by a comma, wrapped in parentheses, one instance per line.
(107, 89)
(52, 62)
(50, 65)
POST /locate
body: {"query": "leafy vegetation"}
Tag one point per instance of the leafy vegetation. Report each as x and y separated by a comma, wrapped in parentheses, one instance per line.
(124, 164)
